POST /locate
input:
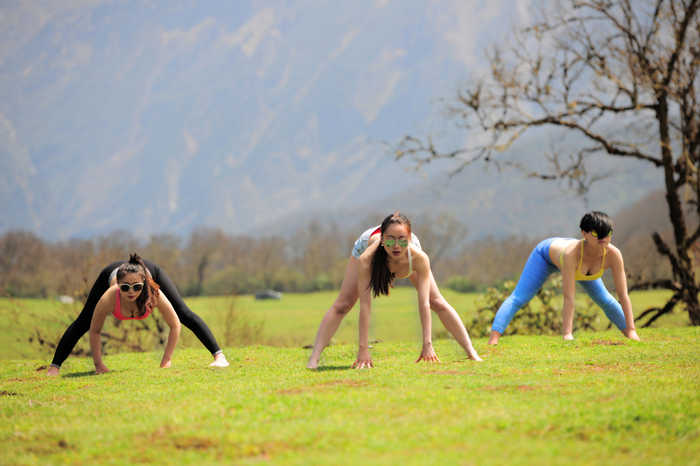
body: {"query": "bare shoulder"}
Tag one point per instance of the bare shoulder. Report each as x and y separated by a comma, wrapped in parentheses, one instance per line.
(108, 298)
(367, 256)
(162, 299)
(421, 261)
(568, 248)
(614, 253)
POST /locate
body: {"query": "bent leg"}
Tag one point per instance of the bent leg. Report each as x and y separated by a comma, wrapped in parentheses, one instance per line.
(82, 324)
(534, 274)
(331, 320)
(450, 319)
(188, 318)
(602, 297)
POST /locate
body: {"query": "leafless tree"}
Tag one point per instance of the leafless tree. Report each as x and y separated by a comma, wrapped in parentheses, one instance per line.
(619, 75)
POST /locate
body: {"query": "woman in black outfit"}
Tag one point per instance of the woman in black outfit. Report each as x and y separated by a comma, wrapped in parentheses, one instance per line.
(106, 278)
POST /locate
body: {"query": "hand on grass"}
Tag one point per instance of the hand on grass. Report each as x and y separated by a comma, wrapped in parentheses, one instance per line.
(165, 364)
(428, 354)
(631, 334)
(568, 336)
(364, 360)
(101, 368)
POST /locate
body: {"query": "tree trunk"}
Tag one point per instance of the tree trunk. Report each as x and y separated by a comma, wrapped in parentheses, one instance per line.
(682, 262)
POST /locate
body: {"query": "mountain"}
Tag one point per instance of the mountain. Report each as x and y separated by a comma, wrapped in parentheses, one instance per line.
(165, 116)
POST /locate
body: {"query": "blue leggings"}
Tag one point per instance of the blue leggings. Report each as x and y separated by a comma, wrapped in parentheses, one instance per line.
(537, 268)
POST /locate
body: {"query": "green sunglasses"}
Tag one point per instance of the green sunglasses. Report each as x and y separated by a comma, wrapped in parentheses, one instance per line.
(595, 234)
(389, 242)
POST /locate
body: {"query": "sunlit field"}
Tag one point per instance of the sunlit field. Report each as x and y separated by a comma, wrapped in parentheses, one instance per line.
(291, 321)
(599, 400)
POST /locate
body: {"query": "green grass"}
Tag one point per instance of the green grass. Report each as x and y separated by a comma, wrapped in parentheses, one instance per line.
(598, 400)
(292, 321)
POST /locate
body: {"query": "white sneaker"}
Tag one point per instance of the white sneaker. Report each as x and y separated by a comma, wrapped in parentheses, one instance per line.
(220, 362)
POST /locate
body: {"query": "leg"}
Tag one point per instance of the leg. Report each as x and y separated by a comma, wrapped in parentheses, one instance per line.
(600, 295)
(343, 303)
(188, 318)
(450, 319)
(534, 274)
(82, 324)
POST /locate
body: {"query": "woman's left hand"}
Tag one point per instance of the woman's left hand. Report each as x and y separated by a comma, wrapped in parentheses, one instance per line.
(428, 354)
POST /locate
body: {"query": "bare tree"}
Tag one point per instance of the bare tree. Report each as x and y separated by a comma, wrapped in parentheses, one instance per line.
(622, 77)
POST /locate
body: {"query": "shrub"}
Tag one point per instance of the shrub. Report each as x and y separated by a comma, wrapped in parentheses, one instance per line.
(542, 315)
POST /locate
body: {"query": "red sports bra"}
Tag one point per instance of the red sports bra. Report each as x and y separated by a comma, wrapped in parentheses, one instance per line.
(117, 312)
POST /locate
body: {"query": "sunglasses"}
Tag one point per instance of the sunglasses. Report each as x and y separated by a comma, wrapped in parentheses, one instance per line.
(125, 287)
(595, 234)
(389, 242)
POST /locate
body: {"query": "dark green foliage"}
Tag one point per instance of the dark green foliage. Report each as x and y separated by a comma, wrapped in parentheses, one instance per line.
(542, 315)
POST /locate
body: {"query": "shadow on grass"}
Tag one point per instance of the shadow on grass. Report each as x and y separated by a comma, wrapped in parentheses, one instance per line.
(83, 374)
(332, 368)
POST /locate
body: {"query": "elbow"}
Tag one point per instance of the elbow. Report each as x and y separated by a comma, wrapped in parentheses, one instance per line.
(175, 329)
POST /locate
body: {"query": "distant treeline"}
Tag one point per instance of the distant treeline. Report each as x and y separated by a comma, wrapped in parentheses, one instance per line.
(212, 262)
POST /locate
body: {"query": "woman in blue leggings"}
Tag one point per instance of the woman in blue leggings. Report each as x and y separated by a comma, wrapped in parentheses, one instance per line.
(580, 260)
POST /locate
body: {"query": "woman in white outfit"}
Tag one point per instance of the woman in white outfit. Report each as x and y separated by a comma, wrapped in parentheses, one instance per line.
(380, 255)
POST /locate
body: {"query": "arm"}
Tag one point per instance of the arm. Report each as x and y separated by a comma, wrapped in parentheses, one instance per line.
(363, 357)
(568, 276)
(422, 284)
(104, 305)
(620, 279)
(168, 313)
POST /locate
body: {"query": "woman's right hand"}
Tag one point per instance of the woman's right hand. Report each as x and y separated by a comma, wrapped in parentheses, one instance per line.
(364, 360)
(428, 354)
(101, 368)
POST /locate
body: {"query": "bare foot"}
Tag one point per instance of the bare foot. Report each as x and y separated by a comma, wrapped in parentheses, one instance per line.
(312, 364)
(632, 334)
(493, 340)
(219, 361)
(475, 357)
(568, 337)
(52, 371)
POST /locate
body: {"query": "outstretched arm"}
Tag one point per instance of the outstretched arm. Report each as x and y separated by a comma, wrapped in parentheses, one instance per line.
(568, 278)
(422, 284)
(363, 357)
(168, 313)
(618, 269)
(102, 309)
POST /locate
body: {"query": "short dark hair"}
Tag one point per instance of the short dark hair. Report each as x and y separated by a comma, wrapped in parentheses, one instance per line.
(597, 221)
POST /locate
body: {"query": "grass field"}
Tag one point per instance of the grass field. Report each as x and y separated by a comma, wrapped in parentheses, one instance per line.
(598, 400)
(291, 321)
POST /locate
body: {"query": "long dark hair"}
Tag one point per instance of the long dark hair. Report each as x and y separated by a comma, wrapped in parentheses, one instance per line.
(381, 277)
(149, 294)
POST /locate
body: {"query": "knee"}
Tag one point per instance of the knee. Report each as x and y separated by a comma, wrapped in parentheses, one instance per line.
(438, 304)
(342, 307)
(515, 301)
(187, 318)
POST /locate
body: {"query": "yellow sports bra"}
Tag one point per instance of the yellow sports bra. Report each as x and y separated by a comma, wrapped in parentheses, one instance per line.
(579, 276)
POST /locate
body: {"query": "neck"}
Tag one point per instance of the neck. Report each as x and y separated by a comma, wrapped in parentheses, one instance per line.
(592, 248)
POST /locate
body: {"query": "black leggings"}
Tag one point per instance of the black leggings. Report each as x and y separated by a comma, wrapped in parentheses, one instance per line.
(82, 324)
